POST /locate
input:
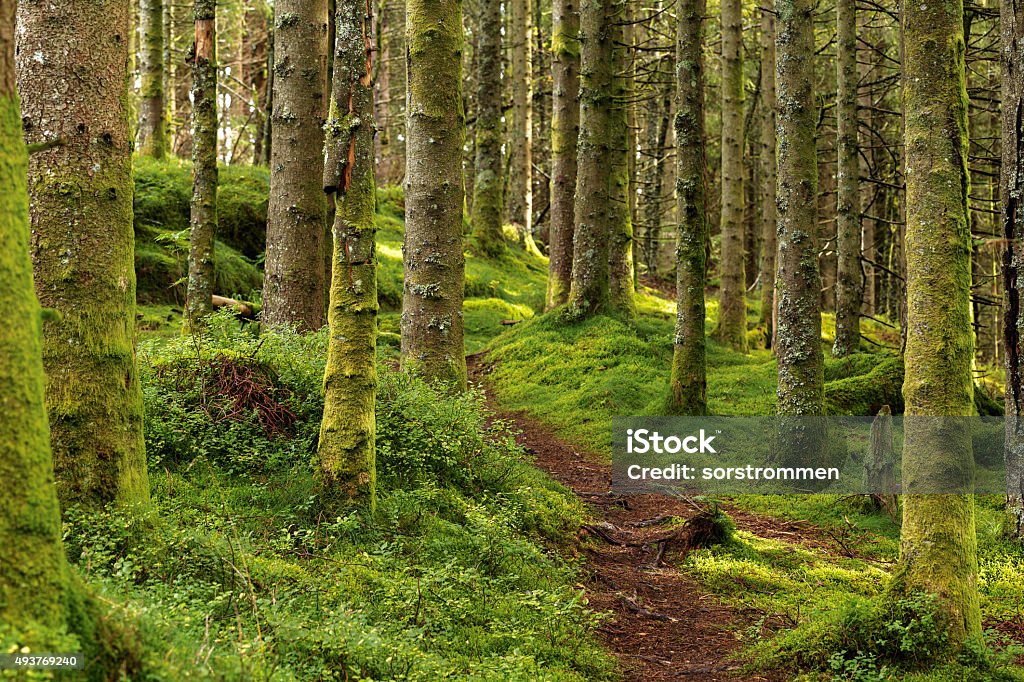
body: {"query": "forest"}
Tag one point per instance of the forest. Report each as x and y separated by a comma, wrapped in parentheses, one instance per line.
(328, 317)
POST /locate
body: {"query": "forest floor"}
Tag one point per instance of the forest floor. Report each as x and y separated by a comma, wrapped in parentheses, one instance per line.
(662, 625)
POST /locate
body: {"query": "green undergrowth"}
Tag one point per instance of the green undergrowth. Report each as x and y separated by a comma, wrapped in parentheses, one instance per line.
(463, 570)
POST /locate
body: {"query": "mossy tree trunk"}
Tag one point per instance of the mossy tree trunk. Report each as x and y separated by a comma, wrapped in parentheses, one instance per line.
(689, 369)
(520, 134)
(152, 134)
(588, 293)
(346, 450)
(1012, 194)
(768, 174)
(33, 572)
(83, 242)
(849, 278)
(732, 315)
(565, 130)
(432, 323)
(798, 337)
(199, 301)
(938, 545)
(488, 189)
(621, 288)
(293, 289)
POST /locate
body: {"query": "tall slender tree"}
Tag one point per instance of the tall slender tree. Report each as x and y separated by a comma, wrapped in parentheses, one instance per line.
(488, 189)
(689, 367)
(152, 134)
(347, 449)
(432, 323)
(588, 292)
(732, 315)
(520, 134)
(798, 338)
(565, 130)
(80, 184)
(938, 544)
(768, 173)
(199, 298)
(1011, 26)
(621, 169)
(849, 278)
(293, 289)
(33, 573)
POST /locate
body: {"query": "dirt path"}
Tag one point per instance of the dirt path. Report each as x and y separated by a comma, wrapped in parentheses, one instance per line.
(663, 625)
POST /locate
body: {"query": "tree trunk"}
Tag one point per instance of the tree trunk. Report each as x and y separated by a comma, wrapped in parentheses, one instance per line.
(520, 133)
(293, 289)
(622, 148)
(565, 130)
(346, 450)
(768, 175)
(658, 117)
(798, 339)
(182, 19)
(732, 315)
(689, 370)
(33, 575)
(938, 546)
(432, 324)
(849, 278)
(588, 292)
(204, 164)
(83, 243)
(152, 133)
(488, 189)
(1012, 193)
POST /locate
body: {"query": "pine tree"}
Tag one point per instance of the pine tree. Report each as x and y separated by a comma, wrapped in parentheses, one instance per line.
(488, 188)
(689, 369)
(520, 134)
(432, 324)
(849, 279)
(152, 134)
(565, 130)
(769, 222)
(798, 337)
(938, 545)
(621, 287)
(293, 288)
(346, 450)
(732, 315)
(199, 298)
(80, 185)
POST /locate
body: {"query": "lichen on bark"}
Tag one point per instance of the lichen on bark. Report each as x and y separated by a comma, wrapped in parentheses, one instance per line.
(689, 367)
(346, 452)
(938, 545)
(621, 288)
(83, 243)
(769, 162)
(520, 133)
(434, 263)
(152, 135)
(294, 284)
(488, 187)
(199, 296)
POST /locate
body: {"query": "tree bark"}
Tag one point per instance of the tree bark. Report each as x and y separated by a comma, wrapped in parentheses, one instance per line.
(488, 189)
(622, 148)
(938, 545)
(34, 580)
(1012, 196)
(293, 289)
(689, 369)
(204, 164)
(565, 130)
(798, 338)
(152, 133)
(589, 289)
(346, 450)
(520, 134)
(849, 277)
(732, 315)
(73, 70)
(432, 323)
(768, 174)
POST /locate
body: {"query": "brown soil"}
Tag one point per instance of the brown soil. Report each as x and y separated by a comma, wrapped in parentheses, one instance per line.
(662, 625)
